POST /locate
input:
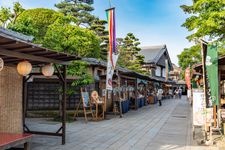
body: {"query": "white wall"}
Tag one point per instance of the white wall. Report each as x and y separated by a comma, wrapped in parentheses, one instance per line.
(164, 72)
(158, 71)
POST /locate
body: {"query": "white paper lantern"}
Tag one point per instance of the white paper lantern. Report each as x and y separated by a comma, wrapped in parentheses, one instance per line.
(47, 70)
(24, 68)
(1, 64)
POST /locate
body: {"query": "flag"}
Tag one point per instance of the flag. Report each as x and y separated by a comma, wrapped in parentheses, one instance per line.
(188, 77)
(113, 53)
(211, 63)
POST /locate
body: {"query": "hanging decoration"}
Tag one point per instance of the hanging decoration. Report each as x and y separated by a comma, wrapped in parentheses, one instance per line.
(113, 53)
(188, 77)
(1, 64)
(211, 62)
(47, 70)
(24, 68)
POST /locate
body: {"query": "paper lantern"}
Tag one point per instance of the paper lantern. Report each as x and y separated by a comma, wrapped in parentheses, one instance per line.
(47, 70)
(24, 68)
(1, 64)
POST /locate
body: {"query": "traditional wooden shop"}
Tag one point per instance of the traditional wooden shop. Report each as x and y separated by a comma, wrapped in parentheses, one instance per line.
(197, 82)
(20, 58)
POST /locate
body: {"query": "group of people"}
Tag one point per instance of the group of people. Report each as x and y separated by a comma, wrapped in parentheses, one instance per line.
(177, 93)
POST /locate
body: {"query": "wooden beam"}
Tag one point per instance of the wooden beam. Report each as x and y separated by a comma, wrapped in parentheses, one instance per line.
(19, 47)
(29, 57)
(9, 42)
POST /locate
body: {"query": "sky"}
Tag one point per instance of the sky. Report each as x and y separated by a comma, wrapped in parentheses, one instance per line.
(153, 22)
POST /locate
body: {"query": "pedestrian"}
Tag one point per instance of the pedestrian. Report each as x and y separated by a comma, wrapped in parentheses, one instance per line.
(159, 96)
(176, 92)
(180, 92)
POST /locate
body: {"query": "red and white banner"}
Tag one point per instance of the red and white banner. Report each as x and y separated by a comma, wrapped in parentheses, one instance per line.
(188, 77)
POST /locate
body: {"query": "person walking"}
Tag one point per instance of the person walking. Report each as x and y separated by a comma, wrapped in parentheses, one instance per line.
(176, 93)
(180, 92)
(159, 96)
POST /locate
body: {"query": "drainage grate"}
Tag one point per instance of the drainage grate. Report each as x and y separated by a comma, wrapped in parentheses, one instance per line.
(179, 116)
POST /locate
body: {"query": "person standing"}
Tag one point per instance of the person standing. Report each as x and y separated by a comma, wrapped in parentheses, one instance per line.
(159, 96)
(176, 93)
(180, 92)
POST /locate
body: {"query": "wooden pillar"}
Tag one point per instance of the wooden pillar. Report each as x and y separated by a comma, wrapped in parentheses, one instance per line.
(64, 106)
(24, 105)
(24, 101)
(119, 80)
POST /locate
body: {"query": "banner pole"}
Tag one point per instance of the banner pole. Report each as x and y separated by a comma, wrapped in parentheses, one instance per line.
(203, 52)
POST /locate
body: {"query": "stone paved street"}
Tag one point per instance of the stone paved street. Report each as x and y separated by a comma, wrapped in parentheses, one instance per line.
(149, 128)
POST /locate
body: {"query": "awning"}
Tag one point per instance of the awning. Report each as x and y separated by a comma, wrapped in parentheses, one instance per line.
(15, 48)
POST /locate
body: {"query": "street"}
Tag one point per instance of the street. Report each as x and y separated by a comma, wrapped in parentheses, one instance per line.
(149, 128)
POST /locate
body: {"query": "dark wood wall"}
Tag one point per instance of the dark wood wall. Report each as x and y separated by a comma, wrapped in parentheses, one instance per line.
(44, 94)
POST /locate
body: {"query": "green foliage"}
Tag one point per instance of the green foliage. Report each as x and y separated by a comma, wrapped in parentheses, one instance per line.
(72, 39)
(207, 18)
(17, 11)
(35, 22)
(129, 56)
(98, 26)
(83, 17)
(7, 16)
(190, 56)
(79, 70)
(81, 11)
(55, 31)
(25, 27)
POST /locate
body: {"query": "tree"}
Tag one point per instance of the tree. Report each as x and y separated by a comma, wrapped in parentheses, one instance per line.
(68, 38)
(98, 26)
(129, 53)
(79, 69)
(79, 10)
(190, 56)
(207, 19)
(7, 16)
(35, 22)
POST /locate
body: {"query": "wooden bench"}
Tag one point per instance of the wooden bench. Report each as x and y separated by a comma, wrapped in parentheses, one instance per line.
(8, 140)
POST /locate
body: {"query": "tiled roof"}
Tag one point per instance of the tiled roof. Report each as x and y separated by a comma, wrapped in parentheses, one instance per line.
(152, 53)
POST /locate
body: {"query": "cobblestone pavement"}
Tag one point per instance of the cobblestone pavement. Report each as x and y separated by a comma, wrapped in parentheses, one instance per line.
(149, 128)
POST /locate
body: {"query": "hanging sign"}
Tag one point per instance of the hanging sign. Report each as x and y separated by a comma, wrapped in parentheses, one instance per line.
(1, 64)
(201, 114)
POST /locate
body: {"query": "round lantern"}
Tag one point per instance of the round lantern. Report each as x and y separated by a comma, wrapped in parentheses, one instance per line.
(1, 64)
(24, 68)
(47, 70)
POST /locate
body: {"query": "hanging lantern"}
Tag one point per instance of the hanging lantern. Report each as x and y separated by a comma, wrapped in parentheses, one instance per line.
(47, 70)
(24, 68)
(1, 64)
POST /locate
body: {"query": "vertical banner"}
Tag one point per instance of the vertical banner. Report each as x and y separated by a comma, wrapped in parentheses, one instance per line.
(167, 69)
(212, 75)
(205, 83)
(113, 53)
(188, 77)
